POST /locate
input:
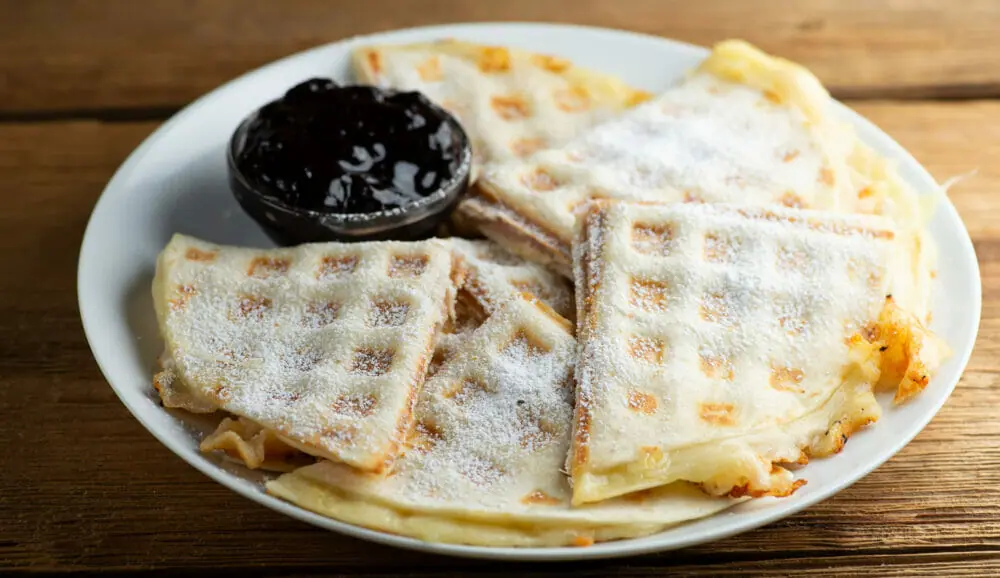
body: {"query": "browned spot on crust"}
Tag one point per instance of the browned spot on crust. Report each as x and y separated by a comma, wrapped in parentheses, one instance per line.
(641, 402)
(838, 434)
(717, 249)
(540, 180)
(374, 61)
(527, 342)
(264, 267)
(790, 156)
(551, 63)
(792, 200)
(184, 294)
(772, 97)
(407, 266)
(793, 324)
(354, 405)
(540, 498)
(423, 437)
(430, 69)
(371, 362)
(320, 314)
(332, 267)
(826, 176)
(651, 454)
(573, 99)
(528, 287)
(583, 541)
(786, 378)
(581, 436)
(386, 313)
(744, 491)
(714, 309)
(194, 254)
(222, 392)
(645, 348)
(655, 239)
(468, 387)
(286, 397)
(511, 107)
(494, 59)
(549, 312)
(638, 97)
(525, 147)
(648, 294)
(870, 332)
(253, 307)
(803, 458)
(718, 413)
(865, 192)
(714, 366)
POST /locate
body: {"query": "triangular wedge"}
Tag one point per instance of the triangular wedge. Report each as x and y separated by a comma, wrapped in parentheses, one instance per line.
(719, 342)
(486, 276)
(325, 345)
(742, 127)
(511, 102)
(484, 462)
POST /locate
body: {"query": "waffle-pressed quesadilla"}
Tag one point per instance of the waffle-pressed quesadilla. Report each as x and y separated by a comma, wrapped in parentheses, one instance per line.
(483, 463)
(486, 276)
(325, 345)
(743, 127)
(511, 102)
(719, 342)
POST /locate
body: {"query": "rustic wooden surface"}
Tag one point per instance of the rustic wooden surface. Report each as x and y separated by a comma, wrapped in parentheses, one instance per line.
(84, 487)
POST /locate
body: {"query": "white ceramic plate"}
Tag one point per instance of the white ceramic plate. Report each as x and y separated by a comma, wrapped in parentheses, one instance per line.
(176, 182)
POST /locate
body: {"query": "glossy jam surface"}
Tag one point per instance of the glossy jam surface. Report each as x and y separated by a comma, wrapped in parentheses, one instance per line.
(349, 149)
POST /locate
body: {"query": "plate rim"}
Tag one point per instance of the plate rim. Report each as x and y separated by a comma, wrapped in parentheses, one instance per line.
(613, 549)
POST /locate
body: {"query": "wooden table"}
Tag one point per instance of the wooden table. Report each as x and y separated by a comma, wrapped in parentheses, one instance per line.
(84, 487)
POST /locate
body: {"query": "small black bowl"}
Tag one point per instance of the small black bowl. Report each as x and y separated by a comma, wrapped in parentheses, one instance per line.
(288, 225)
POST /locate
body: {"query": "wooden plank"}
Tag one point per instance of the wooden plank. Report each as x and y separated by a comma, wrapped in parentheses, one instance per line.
(76, 55)
(950, 140)
(86, 488)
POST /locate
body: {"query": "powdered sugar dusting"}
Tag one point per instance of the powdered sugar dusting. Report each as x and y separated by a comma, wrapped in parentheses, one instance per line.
(727, 321)
(499, 411)
(708, 140)
(327, 323)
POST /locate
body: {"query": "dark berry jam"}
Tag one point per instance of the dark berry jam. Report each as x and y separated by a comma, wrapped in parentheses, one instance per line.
(349, 149)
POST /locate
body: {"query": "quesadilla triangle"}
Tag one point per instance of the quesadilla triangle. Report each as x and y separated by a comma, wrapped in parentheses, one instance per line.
(719, 343)
(485, 276)
(742, 127)
(483, 464)
(510, 102)
(325, 345)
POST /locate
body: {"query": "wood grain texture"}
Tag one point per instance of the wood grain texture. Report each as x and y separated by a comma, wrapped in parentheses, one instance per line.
(85, 487)
(79, 57)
